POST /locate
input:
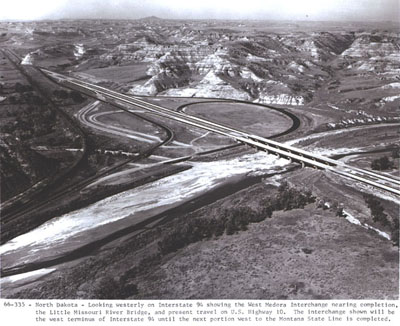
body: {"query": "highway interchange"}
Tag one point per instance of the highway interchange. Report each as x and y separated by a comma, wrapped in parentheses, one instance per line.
(88, 115)
(379, 181)
(91, 120)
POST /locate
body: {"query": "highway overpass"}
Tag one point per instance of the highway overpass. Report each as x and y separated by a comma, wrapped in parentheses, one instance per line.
(294, 154)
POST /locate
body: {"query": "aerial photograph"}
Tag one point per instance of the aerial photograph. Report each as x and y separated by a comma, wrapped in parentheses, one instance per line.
(211, 150)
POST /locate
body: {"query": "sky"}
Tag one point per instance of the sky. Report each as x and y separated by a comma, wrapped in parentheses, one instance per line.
(331, 10)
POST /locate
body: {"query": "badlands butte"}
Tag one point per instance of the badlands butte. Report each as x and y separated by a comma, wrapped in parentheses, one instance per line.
(105, 200)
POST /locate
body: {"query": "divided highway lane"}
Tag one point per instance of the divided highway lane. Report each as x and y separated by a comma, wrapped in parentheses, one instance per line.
(101, 92)
(328, 161)
(386, 183)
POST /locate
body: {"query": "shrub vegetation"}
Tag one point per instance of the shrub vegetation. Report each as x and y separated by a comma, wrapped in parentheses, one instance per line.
(233, 220)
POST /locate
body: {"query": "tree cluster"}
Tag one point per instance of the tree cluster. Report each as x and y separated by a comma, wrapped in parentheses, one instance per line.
(193, 230)
(396, 152)
(290, 198)
(64, 95)
(26, 98)
(379, 216)
(382, 163)
(377, 209)
(33, 121)
(108, 288)
(20, 88)
(233, 220)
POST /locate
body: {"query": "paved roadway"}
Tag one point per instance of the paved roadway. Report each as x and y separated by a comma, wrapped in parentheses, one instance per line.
(88, 117)
(370, 178)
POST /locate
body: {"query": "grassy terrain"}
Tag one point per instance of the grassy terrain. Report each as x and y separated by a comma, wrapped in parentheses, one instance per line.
(123, 74)
(250, 118)
(302, 254)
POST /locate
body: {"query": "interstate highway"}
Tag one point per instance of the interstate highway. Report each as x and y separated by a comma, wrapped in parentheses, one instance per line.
(306, 158)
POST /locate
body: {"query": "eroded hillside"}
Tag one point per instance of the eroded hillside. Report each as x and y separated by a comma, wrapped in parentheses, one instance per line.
(257, 61)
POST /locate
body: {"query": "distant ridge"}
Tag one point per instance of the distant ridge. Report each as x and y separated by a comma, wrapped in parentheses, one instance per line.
(151, 18)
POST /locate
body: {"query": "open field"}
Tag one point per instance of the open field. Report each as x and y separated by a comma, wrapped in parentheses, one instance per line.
(124, 74)
(259, 120)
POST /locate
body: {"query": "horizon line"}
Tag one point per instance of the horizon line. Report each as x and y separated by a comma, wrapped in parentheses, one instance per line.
(200, 19)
